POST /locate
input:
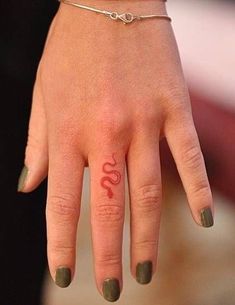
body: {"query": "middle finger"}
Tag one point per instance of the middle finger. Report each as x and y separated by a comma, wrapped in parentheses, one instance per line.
(144, 177)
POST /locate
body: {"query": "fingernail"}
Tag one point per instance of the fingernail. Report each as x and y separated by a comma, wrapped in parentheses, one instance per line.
(22, 179)
(63, 277)
(111, 290)
(144, 272)
(207, 217)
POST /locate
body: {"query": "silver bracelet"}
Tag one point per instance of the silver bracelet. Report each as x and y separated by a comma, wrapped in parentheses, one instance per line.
(125, 17)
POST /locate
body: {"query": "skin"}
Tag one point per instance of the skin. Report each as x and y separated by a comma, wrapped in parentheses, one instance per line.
(106, 90)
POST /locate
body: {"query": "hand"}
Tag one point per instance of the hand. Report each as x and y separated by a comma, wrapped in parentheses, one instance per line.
(105, 95)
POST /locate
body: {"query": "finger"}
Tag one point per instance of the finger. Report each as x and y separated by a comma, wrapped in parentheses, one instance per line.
(66, 167)
(144, 178)
(36, 153)
(184, 144)
(107, 216)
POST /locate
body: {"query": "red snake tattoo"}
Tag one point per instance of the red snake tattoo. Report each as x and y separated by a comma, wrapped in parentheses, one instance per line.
(109, 179)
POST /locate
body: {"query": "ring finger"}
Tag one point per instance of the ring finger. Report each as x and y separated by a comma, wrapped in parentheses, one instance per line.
(107, 216)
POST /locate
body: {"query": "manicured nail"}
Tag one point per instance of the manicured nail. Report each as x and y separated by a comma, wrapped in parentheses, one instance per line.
(63, 277)
(22, 179)
(207, 217)
(111, 290)
(144, 272)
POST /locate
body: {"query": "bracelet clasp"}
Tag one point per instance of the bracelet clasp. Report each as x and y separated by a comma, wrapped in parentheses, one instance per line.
(125, 17)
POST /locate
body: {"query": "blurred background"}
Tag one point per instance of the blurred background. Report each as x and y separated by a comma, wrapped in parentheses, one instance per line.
(196, 266)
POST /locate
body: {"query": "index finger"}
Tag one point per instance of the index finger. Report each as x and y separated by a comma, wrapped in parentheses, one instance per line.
(184, 144)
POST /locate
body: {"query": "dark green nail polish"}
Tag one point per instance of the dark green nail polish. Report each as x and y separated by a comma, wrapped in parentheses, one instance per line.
(144, 272)
(111, 290)
(22, 179)
(63, 277)
(207, 217)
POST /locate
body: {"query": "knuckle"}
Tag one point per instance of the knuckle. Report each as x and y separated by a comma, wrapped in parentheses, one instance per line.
(202, 190)
(192, 156)
(145, 244)
(108, 258)
(175, 91)
(148, 198)
(147, 117)
(113, 124)
(33, 144)
(66, 129)
(60, 247)
(63, 205)
(108, 213)
(179, 110)
(113, 127)
(33, 140)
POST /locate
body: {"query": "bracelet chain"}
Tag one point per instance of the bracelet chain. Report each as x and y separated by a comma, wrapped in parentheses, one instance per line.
(125, 17)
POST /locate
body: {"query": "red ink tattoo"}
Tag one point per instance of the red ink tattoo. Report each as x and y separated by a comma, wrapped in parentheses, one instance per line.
(109, 179)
